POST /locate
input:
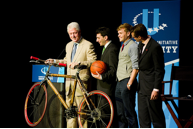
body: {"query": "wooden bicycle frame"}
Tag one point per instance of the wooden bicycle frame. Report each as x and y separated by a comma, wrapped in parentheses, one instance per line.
(77, 79)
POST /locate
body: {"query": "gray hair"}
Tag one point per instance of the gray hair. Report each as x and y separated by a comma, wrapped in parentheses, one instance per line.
(73, 25)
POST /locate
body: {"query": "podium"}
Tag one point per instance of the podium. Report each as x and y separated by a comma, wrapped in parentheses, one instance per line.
(54, 115)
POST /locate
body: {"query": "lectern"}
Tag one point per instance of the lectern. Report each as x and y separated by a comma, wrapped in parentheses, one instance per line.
(54, 115)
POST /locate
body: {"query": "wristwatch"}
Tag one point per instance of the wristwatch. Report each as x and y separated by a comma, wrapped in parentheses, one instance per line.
(128, 85)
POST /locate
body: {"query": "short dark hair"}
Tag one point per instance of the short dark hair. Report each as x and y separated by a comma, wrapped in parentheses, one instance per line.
(104, 31)
(139, 30)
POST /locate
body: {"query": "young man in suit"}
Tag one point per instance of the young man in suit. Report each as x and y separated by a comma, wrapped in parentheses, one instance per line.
(127, 83)
(78, 51)
(151, 73)
(107, 81)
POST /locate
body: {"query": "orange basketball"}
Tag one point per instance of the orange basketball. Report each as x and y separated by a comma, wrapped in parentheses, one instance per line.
(98, 66)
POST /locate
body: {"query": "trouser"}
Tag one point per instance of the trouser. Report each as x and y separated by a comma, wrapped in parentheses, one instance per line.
(125, 103)
(73, 123)
(150, 111)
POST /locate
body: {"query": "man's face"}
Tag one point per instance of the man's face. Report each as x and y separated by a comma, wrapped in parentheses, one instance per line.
(74, 34)
(123, 36)
(138, 39)
(100, 39)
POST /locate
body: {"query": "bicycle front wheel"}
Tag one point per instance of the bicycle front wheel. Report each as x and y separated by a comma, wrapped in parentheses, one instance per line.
(99, 112)
(35, 104)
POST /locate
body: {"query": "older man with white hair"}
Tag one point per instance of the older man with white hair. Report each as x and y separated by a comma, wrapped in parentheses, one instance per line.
(78, 51)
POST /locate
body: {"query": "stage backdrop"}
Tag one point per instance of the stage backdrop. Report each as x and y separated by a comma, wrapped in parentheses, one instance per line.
(162, 20)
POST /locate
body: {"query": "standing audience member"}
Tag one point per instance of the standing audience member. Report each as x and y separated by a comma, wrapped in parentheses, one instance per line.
(151, 73)
(126, 73)
(106, 82)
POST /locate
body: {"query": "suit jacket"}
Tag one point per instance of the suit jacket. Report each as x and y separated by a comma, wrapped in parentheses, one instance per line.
(110, 58)
(151, 67)
(86, 55)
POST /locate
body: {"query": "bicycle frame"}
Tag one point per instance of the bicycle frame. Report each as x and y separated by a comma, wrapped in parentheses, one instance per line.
(77, 79)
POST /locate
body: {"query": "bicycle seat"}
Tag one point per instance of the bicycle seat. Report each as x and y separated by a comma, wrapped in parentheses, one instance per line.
(80, 67)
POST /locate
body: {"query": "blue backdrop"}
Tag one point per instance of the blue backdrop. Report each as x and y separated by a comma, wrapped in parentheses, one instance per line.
(162, 20)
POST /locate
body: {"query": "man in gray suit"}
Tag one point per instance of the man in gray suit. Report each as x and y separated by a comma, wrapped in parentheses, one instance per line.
(126, 73)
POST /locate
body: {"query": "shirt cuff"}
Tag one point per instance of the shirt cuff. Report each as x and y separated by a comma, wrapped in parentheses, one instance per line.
(156, 89)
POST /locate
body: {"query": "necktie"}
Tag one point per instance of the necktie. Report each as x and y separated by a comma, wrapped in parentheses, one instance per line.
(122, 47)
(103, 50)
(73, 51)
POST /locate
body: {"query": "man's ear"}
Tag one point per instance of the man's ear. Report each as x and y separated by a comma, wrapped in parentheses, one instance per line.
(106, 37)
(128, 33)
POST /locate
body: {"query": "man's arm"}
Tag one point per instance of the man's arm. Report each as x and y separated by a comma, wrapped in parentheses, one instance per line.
(133, 53)
(158, 60)
(91, 56)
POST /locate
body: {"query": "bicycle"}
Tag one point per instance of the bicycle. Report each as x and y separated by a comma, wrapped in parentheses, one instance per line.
(90, 108)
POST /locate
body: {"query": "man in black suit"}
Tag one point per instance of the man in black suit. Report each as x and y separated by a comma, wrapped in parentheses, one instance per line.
(151, 73)
(106, 82)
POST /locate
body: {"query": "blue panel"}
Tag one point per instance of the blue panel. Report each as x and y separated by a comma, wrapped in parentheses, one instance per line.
(39, 72)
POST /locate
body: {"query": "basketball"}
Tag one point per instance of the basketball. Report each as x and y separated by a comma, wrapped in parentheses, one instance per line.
(98, 66)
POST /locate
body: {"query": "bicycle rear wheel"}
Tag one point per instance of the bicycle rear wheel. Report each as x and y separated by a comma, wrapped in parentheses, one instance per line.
(99, 114)
(35, 104)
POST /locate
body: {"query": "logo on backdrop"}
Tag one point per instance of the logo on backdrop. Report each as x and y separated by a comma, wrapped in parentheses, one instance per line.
(44, 70)
(156, 26)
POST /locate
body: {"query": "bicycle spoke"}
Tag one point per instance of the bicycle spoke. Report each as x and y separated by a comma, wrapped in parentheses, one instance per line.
(95, 124)
(31, 106)
(106, 115)
(31, 98)
(99, 101)
(32, 111)
(91, 125)
(103, 122)
(104, 106)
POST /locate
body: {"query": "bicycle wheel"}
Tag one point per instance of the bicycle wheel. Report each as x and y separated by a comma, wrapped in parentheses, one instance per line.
(101, 111)
(35, 104)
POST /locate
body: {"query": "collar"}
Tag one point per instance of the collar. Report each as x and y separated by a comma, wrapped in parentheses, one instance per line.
(107, 44)
(147, 40)
(78, 40)
(127, 42)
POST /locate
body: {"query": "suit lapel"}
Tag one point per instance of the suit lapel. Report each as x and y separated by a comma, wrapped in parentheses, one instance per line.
(145, 50)
(106, 51)
(71, 44)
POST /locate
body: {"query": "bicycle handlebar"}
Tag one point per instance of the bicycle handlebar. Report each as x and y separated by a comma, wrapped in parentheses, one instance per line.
(61, 64)
(35, 58)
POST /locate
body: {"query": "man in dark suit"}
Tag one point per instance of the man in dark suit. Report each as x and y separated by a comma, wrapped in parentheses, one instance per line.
(151, 73)
(106, 82)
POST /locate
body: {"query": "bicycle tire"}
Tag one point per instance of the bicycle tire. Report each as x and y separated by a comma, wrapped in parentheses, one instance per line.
(35, 104)
(96, 114)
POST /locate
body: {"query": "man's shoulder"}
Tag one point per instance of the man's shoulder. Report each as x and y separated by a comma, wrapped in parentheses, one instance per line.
(133, 44)
(84, 41)
(154, 42)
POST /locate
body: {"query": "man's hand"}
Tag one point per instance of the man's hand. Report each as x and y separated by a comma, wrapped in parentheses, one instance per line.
(97, 76)
(154, 95)
(73, 64)
(49, 61)
(128, 87)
